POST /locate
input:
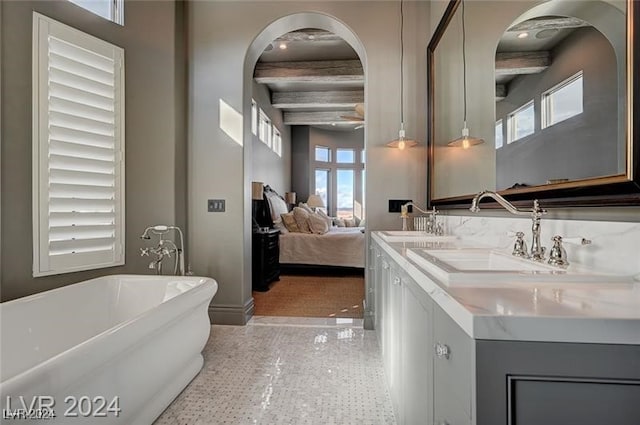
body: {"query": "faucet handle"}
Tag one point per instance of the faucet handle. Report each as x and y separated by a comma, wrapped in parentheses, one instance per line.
(144, 252)
(558, 255)
(520, 246)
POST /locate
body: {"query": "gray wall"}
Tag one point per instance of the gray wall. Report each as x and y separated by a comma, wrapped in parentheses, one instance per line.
(226, 38)
(300, 178)
(580, 147)
(155, 129)
(268, 167)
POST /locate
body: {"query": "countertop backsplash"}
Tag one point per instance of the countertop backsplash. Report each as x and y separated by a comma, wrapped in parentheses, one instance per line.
(614, 248)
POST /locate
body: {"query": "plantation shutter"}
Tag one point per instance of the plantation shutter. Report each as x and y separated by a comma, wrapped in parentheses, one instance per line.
(78, 150)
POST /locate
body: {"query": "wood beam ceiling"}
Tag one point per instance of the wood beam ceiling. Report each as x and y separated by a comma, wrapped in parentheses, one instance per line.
(335, 71)
(319, 118)
(317, 99)
(517, 63)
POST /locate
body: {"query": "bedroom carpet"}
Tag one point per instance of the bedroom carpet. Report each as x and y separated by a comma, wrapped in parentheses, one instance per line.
(312, 296)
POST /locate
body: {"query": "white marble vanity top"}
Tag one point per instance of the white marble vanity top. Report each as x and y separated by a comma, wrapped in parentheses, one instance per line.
(607, 312)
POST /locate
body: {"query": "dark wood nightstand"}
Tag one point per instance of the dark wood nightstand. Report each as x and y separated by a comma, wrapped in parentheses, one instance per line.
(266, 256)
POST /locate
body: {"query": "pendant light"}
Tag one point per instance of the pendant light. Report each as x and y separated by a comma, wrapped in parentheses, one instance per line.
(465, 141)
(402, 142)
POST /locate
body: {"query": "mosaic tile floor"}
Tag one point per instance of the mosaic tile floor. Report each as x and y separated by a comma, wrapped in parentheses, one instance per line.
(285, 373)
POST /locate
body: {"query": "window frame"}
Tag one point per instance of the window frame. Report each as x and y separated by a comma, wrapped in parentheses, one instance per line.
(512, 122)
(44, 263)
(116, 10)
(546, 99)
(329, 154)
(500, 123)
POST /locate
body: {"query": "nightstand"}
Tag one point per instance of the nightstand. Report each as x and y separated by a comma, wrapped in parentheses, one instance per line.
(266, 253)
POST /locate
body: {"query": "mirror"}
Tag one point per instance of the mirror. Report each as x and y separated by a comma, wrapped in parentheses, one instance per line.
(548, 91)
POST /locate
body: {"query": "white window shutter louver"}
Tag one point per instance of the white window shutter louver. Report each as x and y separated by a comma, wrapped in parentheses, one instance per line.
(78, 150)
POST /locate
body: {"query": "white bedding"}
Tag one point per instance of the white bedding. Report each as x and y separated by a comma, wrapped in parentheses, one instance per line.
(341, 246)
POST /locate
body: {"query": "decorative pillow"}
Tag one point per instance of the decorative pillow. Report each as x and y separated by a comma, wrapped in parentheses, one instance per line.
(318, 224)
(305, 207)
(324, 215)
(339, 222)
(350, 222)
(302, 218)
(278, 207)
(290, 222)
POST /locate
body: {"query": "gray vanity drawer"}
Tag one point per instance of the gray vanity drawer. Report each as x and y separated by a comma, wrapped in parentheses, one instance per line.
(453, 371)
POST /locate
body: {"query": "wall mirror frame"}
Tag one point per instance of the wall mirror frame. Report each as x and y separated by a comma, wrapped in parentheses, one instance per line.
(617, 190)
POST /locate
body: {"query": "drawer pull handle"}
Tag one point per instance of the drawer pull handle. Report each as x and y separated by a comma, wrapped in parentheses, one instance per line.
(442, 351)
(396, 281)
(385, 266)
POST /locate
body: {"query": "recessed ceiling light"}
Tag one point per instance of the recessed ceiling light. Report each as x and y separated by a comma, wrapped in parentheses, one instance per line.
(282, 46)
(523, 35)
(311, 37)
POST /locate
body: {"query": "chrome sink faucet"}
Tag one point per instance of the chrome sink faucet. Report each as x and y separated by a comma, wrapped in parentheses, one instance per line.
(431, 224)
(537, 250)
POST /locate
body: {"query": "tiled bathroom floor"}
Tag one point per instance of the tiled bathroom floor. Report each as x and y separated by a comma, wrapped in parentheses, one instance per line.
(288, 372)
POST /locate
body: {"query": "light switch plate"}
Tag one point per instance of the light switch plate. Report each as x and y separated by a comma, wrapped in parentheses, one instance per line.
(395, 205)
(216, 205)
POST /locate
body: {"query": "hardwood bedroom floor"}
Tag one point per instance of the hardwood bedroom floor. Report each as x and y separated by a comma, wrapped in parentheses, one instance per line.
(312, 296)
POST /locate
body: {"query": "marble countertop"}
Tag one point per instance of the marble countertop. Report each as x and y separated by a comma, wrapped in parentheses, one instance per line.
(607, 313)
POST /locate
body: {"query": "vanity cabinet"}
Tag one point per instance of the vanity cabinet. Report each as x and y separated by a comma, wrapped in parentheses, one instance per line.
(438, 374)
(453, 371)
(403, 313)
(530, 383)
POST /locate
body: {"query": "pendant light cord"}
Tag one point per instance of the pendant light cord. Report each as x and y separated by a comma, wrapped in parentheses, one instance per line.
(401, 63)
(464, 66)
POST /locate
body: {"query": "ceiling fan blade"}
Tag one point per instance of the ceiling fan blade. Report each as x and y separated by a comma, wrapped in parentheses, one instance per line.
(351, 118)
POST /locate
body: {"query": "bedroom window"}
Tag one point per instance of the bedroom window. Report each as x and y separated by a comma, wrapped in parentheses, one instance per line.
(345, 156)
(277, 142)
(562, 101)
(346, 196)
(254, 117)
(520, 123)
(112, 10)
(322, 185)
(323, 154)
(264, 128)
(78, 150)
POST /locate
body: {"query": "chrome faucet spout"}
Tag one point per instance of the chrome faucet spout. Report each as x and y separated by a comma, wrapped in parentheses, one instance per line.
(536, 213)
(475, 203)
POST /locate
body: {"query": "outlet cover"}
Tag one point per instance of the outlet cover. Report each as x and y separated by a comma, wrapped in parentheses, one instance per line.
(216, 205)
(395, 205)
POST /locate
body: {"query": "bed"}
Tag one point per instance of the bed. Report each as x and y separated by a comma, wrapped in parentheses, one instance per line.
(341, 248)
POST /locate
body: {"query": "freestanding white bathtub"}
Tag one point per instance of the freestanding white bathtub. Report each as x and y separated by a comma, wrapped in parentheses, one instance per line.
(112, 350)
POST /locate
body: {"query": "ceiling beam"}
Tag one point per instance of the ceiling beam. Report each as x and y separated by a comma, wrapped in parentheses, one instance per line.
(317, 99)
(318, 118)
(309, 71)
(501, 92)
(516, 63)
(547, 23)
(309, 34)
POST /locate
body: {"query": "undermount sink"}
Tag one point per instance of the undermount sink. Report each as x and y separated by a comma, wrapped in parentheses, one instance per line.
(479, 267)
(414, 236)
